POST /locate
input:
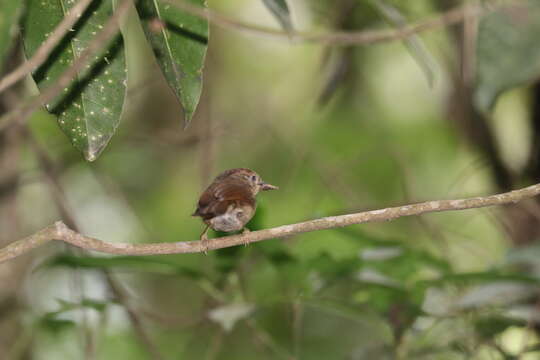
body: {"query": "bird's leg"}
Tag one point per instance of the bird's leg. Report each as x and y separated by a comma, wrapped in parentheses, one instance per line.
(204, 239)
(245, 231)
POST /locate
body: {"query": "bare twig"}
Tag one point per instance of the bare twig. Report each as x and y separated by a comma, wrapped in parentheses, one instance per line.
(43, 52)
(453, 16)
(20, 115)
(59, 231)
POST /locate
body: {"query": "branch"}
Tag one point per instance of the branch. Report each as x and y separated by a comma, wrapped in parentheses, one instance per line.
(59, 231)
(453, 16)
(47, 47)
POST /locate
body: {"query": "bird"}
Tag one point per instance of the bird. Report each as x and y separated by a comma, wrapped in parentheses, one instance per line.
(228, 203)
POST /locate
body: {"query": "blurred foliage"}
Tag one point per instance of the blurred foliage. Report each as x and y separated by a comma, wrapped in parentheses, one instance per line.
(440, 286)
(10, 12)
(507, 32)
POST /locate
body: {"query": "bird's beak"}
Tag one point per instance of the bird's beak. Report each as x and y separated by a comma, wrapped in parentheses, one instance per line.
(265, 186)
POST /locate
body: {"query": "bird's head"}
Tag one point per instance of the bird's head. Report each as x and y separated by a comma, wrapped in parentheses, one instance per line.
(249, 177)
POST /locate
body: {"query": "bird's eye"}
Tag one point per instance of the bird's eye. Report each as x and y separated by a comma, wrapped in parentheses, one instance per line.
(253, 178)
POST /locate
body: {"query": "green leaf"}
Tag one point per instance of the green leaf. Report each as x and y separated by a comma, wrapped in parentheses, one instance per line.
(280, 10)
(10, 11)
(179, 41)
(89, 109)
(464, 279)
(85, 303)
(508, 52)
(228, 315)
(142, 263)
(56, 325)
(490, 326)
(495, 293)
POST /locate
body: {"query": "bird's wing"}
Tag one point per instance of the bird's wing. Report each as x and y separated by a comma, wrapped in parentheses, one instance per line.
(217, 199)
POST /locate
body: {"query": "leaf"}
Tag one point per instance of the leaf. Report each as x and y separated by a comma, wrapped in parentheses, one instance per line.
(524, 313)
(280, 10)
(85, 303)
(56, 325)
(89, 109)
(497, 293)
(179, 41)
(371, 276)
(489, 327)
(464, 279)
(143, 263)
(413, 43)
(10, 10)
(228, 315)
(381, 253)
(508, 51)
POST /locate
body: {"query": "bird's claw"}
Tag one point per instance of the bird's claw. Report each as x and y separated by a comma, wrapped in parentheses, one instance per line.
(204, 243)
(245, 231)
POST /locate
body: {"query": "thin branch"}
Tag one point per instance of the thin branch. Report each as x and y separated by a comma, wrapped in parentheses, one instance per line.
(110, 29)
(453, 16)
(59, 231)
(43, 52)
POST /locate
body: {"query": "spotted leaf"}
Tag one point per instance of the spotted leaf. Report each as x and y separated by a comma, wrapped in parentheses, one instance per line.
(89, 110)
(9, 15)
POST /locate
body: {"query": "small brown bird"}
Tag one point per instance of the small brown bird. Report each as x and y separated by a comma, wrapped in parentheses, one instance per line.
(229, 201)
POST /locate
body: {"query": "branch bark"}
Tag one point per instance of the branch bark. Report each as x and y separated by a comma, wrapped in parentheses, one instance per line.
(59, 231)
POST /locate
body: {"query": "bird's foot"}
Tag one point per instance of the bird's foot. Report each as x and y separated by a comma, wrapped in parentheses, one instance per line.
(204, 243)
(245, 231)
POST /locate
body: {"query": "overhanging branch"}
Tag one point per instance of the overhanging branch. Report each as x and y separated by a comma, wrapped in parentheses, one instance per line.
(59, 231)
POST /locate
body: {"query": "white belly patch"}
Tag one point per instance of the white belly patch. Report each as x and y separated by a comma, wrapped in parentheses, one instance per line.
(227, 222)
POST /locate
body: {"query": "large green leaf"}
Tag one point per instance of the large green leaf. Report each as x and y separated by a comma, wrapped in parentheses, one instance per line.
(9, 15)
(508, 51)
(89, 109)
(179, 41)
(280, 10)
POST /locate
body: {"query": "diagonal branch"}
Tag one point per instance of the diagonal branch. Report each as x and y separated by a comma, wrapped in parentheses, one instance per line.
(452, 16)
(59, 231)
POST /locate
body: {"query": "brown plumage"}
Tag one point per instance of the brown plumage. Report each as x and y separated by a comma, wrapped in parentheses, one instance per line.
(229, 201)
